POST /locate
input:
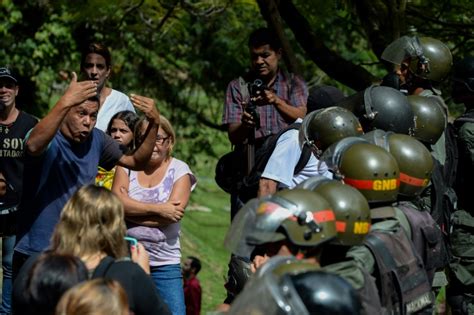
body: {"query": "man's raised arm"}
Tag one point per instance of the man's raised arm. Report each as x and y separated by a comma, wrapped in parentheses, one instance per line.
(42, 134)
(140, 157)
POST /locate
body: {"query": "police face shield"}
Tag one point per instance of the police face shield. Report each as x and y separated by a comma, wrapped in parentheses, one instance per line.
(313, 182)
(269, 294)
(270, 215)
(242, 224)
(401, 49)
(332, 155)
(377, 137)
(256, 223)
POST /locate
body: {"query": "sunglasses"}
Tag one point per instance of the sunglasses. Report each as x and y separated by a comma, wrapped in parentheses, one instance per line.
(9, 85)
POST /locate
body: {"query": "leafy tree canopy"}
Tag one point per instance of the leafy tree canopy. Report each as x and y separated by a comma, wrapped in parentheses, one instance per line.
(183, 53)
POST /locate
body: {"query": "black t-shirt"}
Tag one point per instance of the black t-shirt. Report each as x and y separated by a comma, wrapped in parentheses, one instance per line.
(143, 297)
(11, 157)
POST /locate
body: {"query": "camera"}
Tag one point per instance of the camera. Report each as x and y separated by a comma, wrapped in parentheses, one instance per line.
(251, 108)
(256, 88)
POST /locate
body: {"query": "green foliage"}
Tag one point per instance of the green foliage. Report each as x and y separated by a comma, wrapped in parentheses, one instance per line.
(183, 54)
(203, 236)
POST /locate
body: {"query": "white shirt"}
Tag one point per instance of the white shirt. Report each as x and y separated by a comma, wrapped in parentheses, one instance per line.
(282, 163)
(114, 103)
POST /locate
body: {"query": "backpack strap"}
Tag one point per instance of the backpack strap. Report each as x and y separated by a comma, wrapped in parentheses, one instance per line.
(244, 89)
(291, 77)
(305, 150)
(304, 158)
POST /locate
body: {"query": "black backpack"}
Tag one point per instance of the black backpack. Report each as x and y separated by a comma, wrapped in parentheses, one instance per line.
(445, 182)
(462, 183)
(443, 196)
(402, 281)
(229, 173)
(440, 193)
(426, 237)
(249, 185)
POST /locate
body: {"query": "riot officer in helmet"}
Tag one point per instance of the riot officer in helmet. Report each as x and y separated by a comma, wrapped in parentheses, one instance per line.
(353, 222)
(421, 62)
(416, 166)
(418, 61)
(291, 222)
(459, 291)
(288, 286)
(430, 119)
(381, 107)
(376, 174)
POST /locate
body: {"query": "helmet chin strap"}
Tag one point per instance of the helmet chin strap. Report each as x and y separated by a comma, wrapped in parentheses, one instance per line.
(423, 66)
(307, 141)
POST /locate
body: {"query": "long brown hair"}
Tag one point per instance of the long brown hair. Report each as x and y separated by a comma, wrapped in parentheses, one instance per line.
(92, 221)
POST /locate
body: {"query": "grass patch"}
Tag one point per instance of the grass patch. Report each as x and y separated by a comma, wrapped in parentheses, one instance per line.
(202, 235)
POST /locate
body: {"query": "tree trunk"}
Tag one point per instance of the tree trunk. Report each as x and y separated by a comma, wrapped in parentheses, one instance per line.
(270, 13)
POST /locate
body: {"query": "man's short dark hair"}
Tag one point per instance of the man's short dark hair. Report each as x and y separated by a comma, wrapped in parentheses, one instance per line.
(96, 48)
(95, 99)
(264, 36)
(195, 263)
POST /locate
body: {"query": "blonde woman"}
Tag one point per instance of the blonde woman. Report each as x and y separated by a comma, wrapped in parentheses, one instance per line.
(154, 201)
(92, 227)
(95, 297)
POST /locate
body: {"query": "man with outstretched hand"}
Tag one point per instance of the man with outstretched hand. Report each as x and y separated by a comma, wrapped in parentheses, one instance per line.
(62, 153)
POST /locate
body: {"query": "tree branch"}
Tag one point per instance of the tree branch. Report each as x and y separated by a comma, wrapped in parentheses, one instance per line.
(167, 15)
(129, 11)
(334, 65)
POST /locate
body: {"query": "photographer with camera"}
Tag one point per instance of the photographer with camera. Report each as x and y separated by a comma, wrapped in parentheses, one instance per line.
(262, 102)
